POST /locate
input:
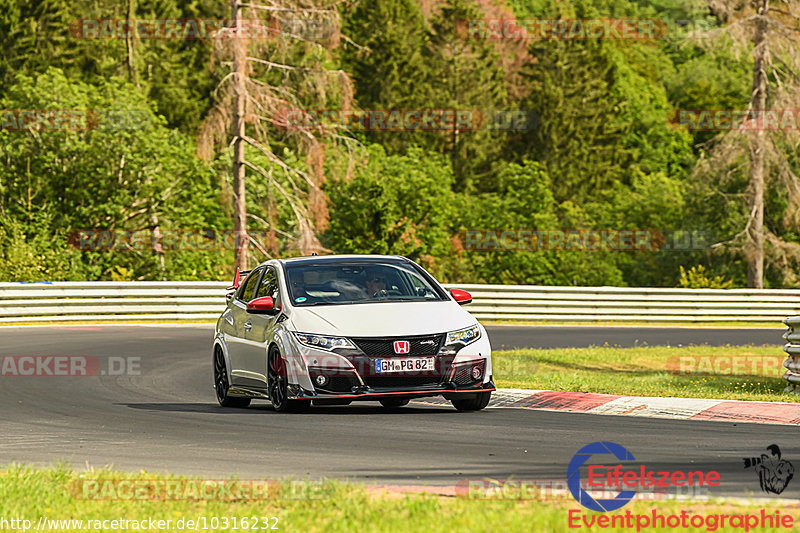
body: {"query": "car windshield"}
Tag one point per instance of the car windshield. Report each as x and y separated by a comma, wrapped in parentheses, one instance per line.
(353, 282)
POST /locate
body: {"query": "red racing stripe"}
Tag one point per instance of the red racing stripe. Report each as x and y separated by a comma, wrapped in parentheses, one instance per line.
(566, 401)
(760, 412)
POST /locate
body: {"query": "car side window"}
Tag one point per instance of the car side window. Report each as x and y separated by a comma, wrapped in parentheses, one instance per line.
(248, 290)
(269, 285)
(420, 288)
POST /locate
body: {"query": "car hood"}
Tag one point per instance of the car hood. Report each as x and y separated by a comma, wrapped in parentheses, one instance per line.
(381, 319)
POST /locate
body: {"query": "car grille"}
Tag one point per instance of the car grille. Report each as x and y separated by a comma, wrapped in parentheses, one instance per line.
(340, 384)
(401, 381)
(383, 346)
(365, 367)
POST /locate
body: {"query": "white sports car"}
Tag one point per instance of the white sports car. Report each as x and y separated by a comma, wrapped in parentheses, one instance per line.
(334, 329)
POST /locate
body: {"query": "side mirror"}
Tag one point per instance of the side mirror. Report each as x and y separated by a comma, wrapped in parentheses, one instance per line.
(262, 306)
(461, 297)
(240, 276)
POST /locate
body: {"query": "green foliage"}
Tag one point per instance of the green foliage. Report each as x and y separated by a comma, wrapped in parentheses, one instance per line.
(393, 205)
(579, 134)
(465, 74)
(172, 73)
(603, 116)
(408, 64)
(698, 278)
(390, 35)
(31, 254)
(703, 83)
(122, 169)
(604, 151)
(525, 202)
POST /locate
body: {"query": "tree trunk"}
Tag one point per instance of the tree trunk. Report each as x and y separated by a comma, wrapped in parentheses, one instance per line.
(156, 241)
(755, 226)
(239, 89)
(130, 43)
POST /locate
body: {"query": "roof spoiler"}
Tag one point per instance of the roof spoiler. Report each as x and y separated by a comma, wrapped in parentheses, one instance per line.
(237, 279)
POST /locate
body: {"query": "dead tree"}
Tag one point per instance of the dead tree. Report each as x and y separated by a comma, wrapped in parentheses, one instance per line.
(772, 27)
(268, 86)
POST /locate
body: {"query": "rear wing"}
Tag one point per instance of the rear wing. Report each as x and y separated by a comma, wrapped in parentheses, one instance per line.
(238, 278)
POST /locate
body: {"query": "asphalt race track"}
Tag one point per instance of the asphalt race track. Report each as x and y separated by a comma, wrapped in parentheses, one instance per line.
(167, 418)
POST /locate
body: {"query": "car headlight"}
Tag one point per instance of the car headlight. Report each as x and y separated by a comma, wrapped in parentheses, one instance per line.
(460, 337)
(323, 342)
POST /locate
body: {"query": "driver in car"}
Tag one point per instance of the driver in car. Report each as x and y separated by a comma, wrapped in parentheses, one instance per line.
(375, 283)
(298, 287)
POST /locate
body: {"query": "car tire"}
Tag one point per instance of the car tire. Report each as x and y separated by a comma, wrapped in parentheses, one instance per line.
(221, 384)
(277, 384)
(394, 403)
(476, 403)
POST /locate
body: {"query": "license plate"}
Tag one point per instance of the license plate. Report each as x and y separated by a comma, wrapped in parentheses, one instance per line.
(405, 364)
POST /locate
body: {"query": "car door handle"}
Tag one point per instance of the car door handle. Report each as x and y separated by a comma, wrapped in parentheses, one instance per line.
(248, 325)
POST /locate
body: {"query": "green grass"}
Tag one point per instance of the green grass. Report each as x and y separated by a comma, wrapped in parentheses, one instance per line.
(335, 506)
(645, 371)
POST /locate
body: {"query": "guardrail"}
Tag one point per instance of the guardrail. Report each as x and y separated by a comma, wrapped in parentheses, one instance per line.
(190, 300)
(541, 303)
(792, 349)
(110, 300)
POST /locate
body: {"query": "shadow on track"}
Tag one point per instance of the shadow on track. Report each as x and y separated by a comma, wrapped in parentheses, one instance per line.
(267, 408)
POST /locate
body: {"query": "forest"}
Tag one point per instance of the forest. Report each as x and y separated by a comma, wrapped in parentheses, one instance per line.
(650, 143)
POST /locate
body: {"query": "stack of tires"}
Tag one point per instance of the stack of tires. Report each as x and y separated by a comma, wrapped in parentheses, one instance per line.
(792, 348)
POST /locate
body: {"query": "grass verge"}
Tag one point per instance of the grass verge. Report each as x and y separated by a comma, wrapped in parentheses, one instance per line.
(727, 372)
(332, 506)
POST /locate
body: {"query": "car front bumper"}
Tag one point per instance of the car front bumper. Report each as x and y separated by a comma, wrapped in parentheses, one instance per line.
(351, 376)
(375, 394)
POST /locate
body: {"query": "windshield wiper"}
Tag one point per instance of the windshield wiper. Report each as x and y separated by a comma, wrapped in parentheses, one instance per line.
(404, 299)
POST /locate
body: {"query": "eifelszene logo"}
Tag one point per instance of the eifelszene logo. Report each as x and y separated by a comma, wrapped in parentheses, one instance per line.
(626, 480)
(574, 476)
(774, 473)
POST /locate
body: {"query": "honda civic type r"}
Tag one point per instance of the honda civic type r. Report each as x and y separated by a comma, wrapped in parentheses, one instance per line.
(337, 329)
